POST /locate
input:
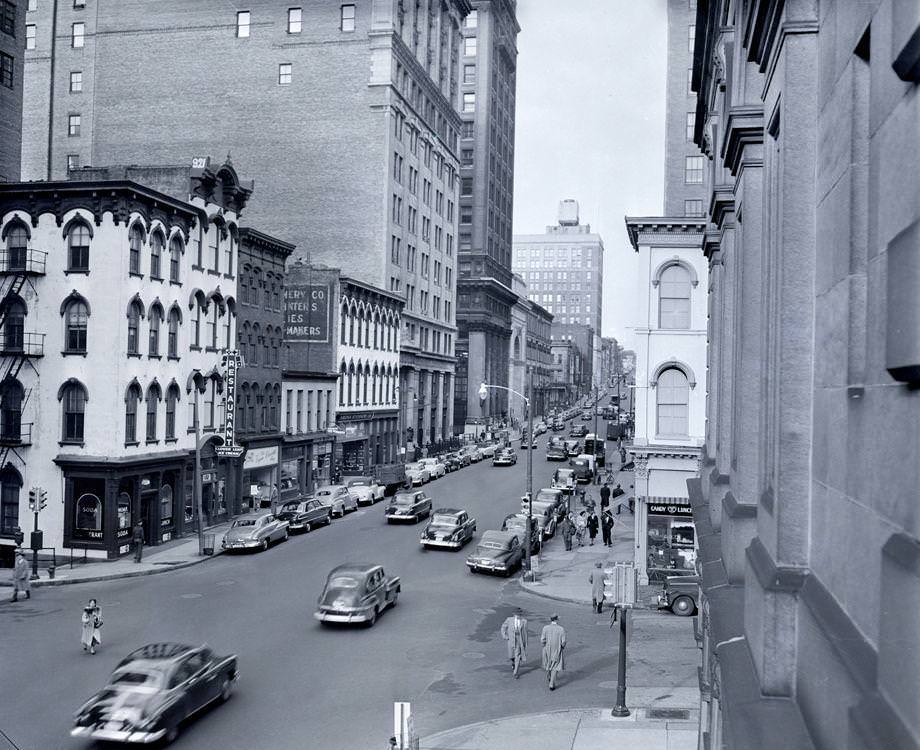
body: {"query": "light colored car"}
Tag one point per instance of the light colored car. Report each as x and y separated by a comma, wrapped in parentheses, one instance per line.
(417, 473)
(505, 457)
(337, 497)
(435, 467)
(488, 450)
(356, 592)
(539, 428)
(366, 491)
(254, 531)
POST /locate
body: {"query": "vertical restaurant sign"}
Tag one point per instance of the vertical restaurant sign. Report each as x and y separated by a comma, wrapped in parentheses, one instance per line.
(306, 313)
(230, 361)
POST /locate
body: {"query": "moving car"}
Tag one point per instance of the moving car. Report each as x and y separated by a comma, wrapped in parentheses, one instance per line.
(338, 498)
(564, 479)
(417, 473)
(305, 515)
(449, 528)
(408, 505)
(154, 691)
(555, 451)
(254, 531)
(680, 594)
(436, 469)
(583, 467)
(578, 430)
(539, 428)
(572, 448)
(365, 490)
(356, 592)
(505, 457)
(497, 551)
(558, 424)
(488, 450)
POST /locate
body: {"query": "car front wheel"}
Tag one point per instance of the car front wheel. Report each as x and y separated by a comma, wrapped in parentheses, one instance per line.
(226, 689)
(264, 545)
(683, 606)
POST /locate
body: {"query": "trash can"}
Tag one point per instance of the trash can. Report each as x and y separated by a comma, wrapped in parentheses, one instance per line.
(207, 544)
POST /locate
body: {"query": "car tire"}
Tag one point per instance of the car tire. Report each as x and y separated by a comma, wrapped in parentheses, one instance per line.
(307, 527)
(372, 619)
(226, 689)
(395, 598)
(284, 538)
(683, 606)
(172, 734)
(264, 545)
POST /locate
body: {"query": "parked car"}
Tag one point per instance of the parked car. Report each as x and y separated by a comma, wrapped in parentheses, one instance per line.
(305, 515)
(680, 594)
(474, 453)
(505, 457)
(578, 430)
(356, 592)
(583, 467)
(451, 462)
(436, 469)
(564, 479)
(572, 448)
(417, 473)
(337, 497)
(539, 428)
(517, 522)
(488, 450)
(408, 505)
(254, 531)
(365, 490)
(449, 528)
(154, 691)
(498, 552)
(463, 457)
(555, 451)
(555, 496)
(544, 513)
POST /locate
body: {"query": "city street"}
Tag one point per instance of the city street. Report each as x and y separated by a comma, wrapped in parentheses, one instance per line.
(306, 686)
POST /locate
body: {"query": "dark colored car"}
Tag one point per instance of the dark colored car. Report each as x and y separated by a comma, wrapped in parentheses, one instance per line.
(356, 592)
(555, 496)
(572, 448)
(579, 429)
(680, 594)
(463, 457)
(408, 505)
(582, 467)
(452, 462)
(555, 451)
(497, 552)
(517, 522)
(449, 528)
(154, 691)
(305, 515)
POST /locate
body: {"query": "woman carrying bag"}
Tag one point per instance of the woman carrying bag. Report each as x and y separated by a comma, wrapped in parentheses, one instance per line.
(92, 621)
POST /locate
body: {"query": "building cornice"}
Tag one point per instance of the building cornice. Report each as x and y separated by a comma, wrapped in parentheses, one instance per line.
(643, 230)
(266, 242)
(721, 204)
(743, 128)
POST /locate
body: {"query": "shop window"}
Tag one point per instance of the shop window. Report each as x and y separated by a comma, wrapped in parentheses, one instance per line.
(166, 505)
(671, 542)
(10, 485)
(88, 510)
(123, 508)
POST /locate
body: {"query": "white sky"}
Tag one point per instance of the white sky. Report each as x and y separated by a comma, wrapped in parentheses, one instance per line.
(590, 126)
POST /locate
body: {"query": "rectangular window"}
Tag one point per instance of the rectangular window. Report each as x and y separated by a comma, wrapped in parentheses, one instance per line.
(285, 74)
(348, 18)
(295, 20)
(469, 74)
(32, 5)
(693, 170)
(691, 37)
(73, 161)
(243, 19)
(30, 36)
(78, 35)
(73, 125)
(472, 20)
(689, 81)
(8, 17)
(394, 249)
(76, 81)
(466, 186)
(693, 208)
(469, 46)
(469, 101)
(6, 70)
(691, 118)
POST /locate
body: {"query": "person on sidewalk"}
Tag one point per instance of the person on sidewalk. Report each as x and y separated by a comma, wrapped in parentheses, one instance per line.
(514, 631)
(581, 524)
(596, 579)
(138, 538)
(21, 582)
(607, 527)
(592, 526)
(553, 640)
(567, 531)
(605, 497)
(91, 621)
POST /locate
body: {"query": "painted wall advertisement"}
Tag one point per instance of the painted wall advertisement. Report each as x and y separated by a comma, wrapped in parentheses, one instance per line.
(306, 313)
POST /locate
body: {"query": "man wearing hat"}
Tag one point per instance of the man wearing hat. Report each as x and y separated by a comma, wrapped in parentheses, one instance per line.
(514, 631)
(21, 582)
(553, 640)
(596, 579)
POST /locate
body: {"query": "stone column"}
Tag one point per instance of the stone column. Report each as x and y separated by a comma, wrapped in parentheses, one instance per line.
(425, 391)
(449, 395)
(439, 399)
(476, 374)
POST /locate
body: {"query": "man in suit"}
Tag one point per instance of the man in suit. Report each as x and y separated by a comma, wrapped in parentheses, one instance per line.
(514, 631)
(553, 640)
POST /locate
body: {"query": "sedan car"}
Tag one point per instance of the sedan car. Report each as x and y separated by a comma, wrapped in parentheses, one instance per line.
(578, 430)
(356, 592)
(539, 428)
(451, 462)
(305, 515)
(572, 448)
(556, 497)
(558, 424)
(517, 522)
(408, 505)
(488, 450)
(556, 452)
(462, 457)
(436, 469)
(564, 479)
(417, 473)
(680, 594)
(474, 453)
(366, 491)
(254, 531)
(338, 498)
(153, 691)
(449, 528)
(497, 552)
(505, 457)
(544, 513)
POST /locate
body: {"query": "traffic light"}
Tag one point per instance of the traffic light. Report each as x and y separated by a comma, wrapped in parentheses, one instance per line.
(42, 499)
(33, 499)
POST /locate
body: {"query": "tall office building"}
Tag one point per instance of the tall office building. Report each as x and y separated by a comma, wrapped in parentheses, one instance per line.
(346, 111)
(13, 42)
(685, 170)
(484, 286)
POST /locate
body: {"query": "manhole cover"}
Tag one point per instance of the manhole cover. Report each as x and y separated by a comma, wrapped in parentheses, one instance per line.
(189, 596)
(474, 655)
(484, 611)
(677, 714)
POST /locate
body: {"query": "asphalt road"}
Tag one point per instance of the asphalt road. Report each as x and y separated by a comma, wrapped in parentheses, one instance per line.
(307, 686)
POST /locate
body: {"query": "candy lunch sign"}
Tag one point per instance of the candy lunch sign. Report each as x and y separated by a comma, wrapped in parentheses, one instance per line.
(230, 361)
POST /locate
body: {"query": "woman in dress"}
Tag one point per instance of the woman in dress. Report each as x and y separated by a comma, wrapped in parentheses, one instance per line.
(92, 621)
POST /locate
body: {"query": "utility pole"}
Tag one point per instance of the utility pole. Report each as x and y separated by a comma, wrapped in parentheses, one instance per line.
(198, 493)
(528, 404)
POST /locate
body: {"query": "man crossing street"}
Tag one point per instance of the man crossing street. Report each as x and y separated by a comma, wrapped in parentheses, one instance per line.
(21, 582)
(553, 640)
(514, 631)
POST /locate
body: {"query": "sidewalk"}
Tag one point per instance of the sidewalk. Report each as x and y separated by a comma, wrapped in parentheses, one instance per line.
(174, 555)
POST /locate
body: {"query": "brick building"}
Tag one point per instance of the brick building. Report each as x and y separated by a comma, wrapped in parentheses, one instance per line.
(12, 53)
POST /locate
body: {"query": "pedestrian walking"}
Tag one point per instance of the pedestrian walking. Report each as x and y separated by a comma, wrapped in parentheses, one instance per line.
(91, 620)
(605, 496)
(607, 527)
(514, 631)
(581, 523)
(567, 531)
(138, 538)
(596, 579)
(553, 640)
(592, 526)
(21, 582)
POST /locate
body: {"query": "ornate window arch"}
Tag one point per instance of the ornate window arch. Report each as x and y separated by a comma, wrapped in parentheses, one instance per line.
(673, 403)
(79, 234)
(174, 320)
(73, 397)
(135, 312)
(172, 398)
(133, 397)
(157, 246)
(17, 235)
(176, 251)
(154, 321)
(668, 364)
(153, 398)
(675, 280)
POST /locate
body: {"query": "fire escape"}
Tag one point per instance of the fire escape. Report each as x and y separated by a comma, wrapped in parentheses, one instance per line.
(18, 266)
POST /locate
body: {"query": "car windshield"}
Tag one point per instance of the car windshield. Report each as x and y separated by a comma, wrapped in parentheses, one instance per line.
(491, 545)
(342, 582)
(244, 522)
(442, 520)
(358, 483)
(290, 507)
(136, 678)
(404, 499)
(323, 493)
(549, 497)
(565, 473)
(580, 462)
(414, 467)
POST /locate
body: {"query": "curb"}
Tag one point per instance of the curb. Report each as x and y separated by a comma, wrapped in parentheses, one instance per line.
(529, 588)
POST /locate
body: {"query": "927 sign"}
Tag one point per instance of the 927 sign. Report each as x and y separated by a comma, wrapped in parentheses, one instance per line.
(306, 313)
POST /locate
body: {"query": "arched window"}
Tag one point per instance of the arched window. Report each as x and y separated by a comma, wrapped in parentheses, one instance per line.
(17, 243)
(155, 319)
(276, 402)
(88, 512)
(78, 247)
(517, 346)
(228, 251)
(73, 397)
(343, 323)
(673, 394)
(11, 395)
(266, 347)
(135, 243)
(172, 343)
(276, 296)
(175, 254)
(135, 312)
(241, 405)
(211, 334)
(214, 232)
(243, 281)
(376, 324)
(156, 254)
(153, 400)
(674, 298)
(210, 403)
(376, 395)
(351, 384)
(267, 294)
(352, 314)
(10, 484)
(228, 325)
(132, 398)
(14, 320)
(245, 338)
(255, 343)
(172, 398)
(342, 376)
(253, 423)
(76, 318)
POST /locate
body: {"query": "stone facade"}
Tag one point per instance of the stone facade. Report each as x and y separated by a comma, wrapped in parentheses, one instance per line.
(809, 536)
